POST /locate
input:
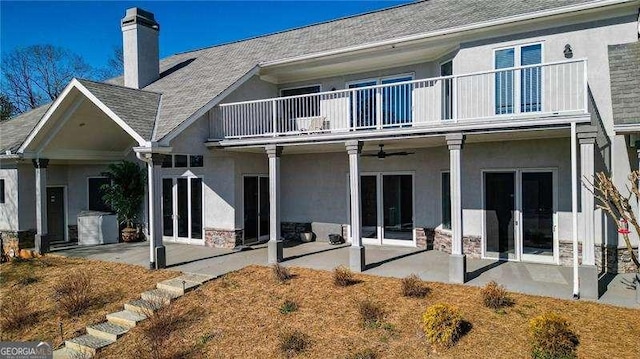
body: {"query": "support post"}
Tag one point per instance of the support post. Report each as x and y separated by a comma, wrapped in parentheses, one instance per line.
(157, 252)
(574, 210)
(588, 272)
(457, 259)
(356, 251)
(41, 239)
(275, 245)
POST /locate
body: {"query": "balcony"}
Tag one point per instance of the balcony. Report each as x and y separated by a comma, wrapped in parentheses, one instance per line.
(534, 91)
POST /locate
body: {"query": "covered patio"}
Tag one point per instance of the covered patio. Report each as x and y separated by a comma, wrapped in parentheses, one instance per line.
(430, 265)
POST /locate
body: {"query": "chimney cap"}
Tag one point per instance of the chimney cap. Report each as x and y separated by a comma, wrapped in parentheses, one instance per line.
(139, 16)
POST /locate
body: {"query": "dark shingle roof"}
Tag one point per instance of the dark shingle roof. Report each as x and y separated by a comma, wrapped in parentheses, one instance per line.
(624, 68)
(13, 132)
(137, 108)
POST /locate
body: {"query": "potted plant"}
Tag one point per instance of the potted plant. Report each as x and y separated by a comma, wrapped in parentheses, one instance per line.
(125, 193)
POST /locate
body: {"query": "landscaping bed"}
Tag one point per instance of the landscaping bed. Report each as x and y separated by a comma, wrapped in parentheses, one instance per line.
(251, 314)
(33, 290)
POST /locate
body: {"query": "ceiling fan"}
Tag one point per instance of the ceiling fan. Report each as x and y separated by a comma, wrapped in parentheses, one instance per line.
(382, 154)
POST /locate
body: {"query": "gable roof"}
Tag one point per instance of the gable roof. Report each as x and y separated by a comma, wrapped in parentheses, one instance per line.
(624, 69)
(13, 132)
(137, 108)
(191, 80)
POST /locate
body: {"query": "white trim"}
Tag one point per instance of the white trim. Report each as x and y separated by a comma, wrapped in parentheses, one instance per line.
(625, 129)
(451, 31)
(77, 85)
(65, 205)
(208, 106)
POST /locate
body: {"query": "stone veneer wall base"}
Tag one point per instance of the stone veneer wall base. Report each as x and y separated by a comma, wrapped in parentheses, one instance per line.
(223, 238)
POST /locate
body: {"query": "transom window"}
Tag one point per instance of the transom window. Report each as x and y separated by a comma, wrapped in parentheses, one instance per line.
(182, 161)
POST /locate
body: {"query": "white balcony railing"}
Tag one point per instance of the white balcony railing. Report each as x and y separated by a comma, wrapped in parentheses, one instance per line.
(535, 90)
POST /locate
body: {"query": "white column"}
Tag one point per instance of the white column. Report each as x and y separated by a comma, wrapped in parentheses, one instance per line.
(41, 240)
(457, 260)
(157, 255)
(275, 245)
(356, 251)
(588, 270)
(574, 210)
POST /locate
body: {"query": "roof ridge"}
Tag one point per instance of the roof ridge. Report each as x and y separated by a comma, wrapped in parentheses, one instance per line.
(300, 27)
(118, 86)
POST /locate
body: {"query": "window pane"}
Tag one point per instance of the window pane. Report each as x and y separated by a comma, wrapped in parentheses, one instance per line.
(96, 203)
(180, 161)
(530, 78)
(446, 201)
(2, 199)
(504, 81)
(167, 161)
(446, 69)
(301, 106)
(167, 207)
(196, 208)
(196, 161)
(396, 101)
(364, 102)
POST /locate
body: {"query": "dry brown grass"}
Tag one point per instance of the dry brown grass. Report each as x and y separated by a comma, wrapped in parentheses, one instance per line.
(243, 320)
(112, 284)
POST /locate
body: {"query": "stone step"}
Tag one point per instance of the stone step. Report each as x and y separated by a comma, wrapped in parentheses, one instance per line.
(159, 296)
(195, 277)
(143, 306)
(87, 344)
(177, 285)
(67, 353)
(107, 330)
(126, 318)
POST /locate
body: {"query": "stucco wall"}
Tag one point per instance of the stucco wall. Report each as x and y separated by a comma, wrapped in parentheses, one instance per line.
(9, 209)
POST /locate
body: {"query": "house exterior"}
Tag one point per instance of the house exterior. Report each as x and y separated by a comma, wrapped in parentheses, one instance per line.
(448, 125)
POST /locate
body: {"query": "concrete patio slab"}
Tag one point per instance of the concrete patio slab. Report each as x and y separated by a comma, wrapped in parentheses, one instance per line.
(529, 278)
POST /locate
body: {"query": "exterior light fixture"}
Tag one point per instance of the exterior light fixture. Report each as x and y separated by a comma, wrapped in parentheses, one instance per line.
(568, 53)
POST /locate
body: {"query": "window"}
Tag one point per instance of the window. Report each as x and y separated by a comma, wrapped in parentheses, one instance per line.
(396, 107)
(446, 201)
(305, 106)
(180, 161)
(96, 203)
(2, 199)
(196, 161)
(530, 79)
(446, 69)
(167, 161)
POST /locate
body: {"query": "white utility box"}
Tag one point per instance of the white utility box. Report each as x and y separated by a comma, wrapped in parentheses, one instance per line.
(97, 228)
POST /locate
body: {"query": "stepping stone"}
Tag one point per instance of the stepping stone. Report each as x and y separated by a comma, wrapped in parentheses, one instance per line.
(87, 344)
(177, 285)
(143, 306)
(126, 318)
(107, 330)
(159, 296)
(195, 277)
(66, 353)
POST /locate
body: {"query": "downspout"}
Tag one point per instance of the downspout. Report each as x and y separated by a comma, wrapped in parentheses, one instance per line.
(574, 210)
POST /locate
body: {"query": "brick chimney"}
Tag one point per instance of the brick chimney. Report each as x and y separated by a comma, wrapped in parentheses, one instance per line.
(140, 48)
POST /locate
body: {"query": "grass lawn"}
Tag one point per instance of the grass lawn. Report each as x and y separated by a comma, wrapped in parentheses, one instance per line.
(238, 316)
(30, 283)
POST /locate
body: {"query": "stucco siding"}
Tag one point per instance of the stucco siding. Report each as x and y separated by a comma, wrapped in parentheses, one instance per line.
(9, 209)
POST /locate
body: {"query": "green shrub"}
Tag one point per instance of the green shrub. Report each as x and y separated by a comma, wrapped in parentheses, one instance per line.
(364, 354)
(288, 306)
(552, 337)
(371, 314)
(442, 325)
(293, 343)
(494, 296)
(343, 277)
(280, 273)
(413, 287)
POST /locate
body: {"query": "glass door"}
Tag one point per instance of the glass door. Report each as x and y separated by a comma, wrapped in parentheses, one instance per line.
(369, 210)
(363, 105)
(500, 215)
(256, 209)
(397, 209)
(538, 217)
(182, 209)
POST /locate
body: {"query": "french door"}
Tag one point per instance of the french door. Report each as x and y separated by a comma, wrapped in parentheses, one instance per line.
(520, 215)
(387, 209)
(256, 209)
(182, 211)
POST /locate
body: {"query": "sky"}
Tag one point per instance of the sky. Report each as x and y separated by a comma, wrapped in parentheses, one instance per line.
(91, 29)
